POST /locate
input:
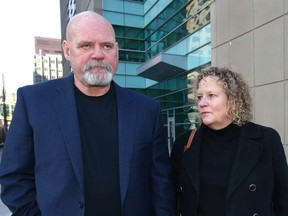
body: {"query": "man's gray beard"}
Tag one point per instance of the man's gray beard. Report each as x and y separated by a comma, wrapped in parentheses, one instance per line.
(101, 78)
(94, 79)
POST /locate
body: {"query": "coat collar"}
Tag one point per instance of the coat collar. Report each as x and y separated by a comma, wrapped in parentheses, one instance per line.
(248, 154)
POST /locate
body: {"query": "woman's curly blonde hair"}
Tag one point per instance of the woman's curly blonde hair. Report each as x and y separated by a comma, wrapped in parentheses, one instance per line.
(237, 90)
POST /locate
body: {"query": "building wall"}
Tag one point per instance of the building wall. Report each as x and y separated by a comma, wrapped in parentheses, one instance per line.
(47, 67)
(47, 59)
(47, 46)
(252, 37)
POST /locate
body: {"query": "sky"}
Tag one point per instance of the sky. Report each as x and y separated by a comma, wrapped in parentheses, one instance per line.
(20, 22)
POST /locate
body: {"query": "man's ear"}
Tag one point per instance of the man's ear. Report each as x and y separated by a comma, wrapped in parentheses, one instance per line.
(117, 47)
(66, 50)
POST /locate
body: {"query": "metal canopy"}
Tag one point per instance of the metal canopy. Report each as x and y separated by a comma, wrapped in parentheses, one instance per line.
(163, 66)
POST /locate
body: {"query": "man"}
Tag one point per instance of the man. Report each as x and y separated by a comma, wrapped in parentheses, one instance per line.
(82, 145)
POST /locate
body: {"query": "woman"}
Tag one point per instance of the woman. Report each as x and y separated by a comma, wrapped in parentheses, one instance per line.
(233, 167)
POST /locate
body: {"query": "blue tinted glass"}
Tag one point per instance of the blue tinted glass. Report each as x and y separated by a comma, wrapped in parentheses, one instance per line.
(120, 80)
(135, 82)
(199, 56)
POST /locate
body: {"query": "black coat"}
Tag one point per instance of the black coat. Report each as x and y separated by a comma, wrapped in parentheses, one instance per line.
(259, 180)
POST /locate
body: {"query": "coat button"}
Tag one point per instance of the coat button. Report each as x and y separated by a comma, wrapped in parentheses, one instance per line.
(80, 204)
(180, 188)
(252, 187)
(255, 214)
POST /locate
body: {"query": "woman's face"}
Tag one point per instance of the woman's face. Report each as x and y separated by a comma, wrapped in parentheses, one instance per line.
(213, 103)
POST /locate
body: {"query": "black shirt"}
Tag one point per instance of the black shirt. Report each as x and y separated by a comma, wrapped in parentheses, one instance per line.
(218, 152)
(98, 124)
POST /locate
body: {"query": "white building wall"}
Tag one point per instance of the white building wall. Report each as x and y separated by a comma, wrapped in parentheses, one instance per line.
(252, 36)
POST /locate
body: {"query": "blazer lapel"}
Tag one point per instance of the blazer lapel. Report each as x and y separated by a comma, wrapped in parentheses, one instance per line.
(65, 108)
(248, 154)
(126, 136)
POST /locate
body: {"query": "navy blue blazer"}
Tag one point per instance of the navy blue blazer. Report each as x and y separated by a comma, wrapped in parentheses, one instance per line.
(258, 183)
(42, 168)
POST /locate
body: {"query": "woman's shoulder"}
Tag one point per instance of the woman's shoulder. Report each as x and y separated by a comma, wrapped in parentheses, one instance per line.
(184, 136)
(255, 129)
(179, 142)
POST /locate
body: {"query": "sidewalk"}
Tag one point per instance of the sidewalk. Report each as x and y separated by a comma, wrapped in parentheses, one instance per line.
(4, 211)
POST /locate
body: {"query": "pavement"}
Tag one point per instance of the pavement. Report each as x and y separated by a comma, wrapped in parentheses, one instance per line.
(4, 211)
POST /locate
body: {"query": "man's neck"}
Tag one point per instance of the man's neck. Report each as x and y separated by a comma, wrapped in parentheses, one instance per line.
(93, 91)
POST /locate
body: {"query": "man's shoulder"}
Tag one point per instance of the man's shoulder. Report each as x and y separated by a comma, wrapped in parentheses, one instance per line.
(46, 87)
(48, 83)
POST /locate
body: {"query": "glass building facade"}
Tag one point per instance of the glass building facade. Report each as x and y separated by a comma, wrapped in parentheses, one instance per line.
(162, 45)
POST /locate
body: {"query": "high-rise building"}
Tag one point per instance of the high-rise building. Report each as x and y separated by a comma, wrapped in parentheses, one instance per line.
(47, 59)
(161, 45)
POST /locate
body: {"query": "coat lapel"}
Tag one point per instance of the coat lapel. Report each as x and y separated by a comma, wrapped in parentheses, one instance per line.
(65, 108)
(191, 160)
(248, 154)
(126, 119)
